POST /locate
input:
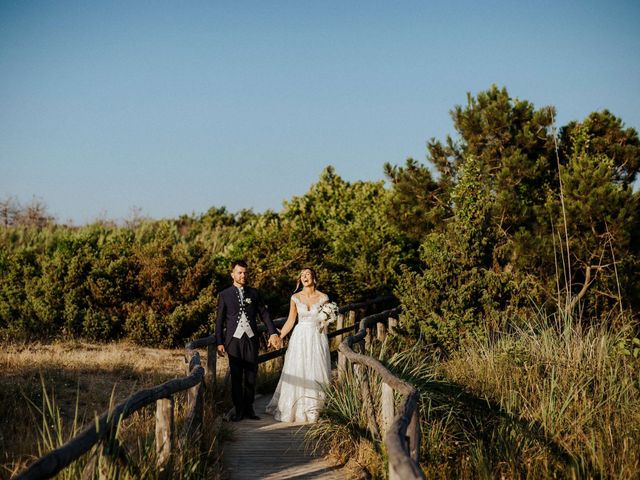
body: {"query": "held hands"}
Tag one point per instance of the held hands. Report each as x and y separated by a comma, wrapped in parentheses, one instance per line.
(275, 341)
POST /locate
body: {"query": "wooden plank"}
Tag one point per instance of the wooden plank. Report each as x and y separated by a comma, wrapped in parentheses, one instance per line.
(267, 449)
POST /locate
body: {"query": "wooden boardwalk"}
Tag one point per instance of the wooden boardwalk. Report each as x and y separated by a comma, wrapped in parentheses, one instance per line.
(270, 450)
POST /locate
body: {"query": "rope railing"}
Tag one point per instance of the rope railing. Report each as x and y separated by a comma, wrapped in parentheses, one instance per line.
(402, 428)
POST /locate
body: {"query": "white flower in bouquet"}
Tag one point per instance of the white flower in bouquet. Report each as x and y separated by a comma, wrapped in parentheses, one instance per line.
(327, 314)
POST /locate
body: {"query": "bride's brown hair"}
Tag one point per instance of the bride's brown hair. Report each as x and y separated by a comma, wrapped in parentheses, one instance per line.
(313, 277)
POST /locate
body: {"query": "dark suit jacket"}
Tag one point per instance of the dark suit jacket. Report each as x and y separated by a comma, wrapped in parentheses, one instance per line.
(229, 313)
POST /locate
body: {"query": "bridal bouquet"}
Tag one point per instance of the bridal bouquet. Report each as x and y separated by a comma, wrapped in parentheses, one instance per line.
(328, 313)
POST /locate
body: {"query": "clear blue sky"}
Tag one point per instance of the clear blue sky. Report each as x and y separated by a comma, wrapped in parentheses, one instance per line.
(175, 107)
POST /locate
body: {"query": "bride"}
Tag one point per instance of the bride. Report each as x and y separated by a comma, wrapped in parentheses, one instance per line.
(299, 396)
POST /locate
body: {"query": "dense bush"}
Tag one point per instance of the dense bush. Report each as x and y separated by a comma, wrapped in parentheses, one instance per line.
(156, 282)
(459, 291)
(524, 225)
(491, 234)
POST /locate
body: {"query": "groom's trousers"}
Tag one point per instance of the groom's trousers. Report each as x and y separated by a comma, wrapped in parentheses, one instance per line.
(243, 364)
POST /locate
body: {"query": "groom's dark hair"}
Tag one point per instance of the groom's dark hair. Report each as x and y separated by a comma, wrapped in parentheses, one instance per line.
(239, 263)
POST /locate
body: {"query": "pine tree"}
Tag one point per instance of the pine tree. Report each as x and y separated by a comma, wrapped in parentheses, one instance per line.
(601, 212)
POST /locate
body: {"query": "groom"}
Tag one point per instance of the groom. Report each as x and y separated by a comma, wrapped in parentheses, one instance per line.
(237, 335)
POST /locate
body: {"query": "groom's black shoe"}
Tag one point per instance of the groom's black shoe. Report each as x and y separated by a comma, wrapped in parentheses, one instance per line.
(251, 415)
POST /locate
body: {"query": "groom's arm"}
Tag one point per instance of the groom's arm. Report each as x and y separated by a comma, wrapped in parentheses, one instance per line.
(222, 311)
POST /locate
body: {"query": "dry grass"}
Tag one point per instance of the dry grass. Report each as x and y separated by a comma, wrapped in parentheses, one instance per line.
(580, 387)
(341, 432)
(73, 373)
(547, 400)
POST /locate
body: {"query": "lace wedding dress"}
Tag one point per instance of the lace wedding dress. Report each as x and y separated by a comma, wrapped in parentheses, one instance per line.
(299, 396)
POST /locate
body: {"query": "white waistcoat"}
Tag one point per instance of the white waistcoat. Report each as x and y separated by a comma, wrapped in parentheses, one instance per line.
(243, 323)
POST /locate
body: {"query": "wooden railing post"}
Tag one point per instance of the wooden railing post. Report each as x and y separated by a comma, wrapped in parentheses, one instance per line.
(393, 474)
(342, 366)
(340, 326)
(393, 324)
(357, 347)
(382, 331)
(352, 317)
(192, 430)
(195, 407)
(361, 374)
(413, 434)
(164, 436)
(388, 407)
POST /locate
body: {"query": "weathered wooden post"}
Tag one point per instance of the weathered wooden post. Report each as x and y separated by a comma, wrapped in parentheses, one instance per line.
(164, 436)
(393, 474)
(353, 321)
(393, 324)
(413, 434)
(367, 341)
(388, 407)
(362, 375)
(342, 365)
(192, 429)
(340, 326)
(193, 424)
(382, 331)
(352, 317)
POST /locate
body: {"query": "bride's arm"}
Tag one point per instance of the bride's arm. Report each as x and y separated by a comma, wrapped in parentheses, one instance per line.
(291, 319)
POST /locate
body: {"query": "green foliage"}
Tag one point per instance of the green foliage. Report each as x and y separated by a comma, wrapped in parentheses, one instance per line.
(156, 282)
(601, 215)
(505, 234)
(344, 229)
(607, 137)
(513, 146)
(417, 203)
(458, 292)
(566, 383)
(104, 282)
(460, 239)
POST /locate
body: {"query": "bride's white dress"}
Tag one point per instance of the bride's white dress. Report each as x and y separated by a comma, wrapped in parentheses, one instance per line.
(299, 396)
